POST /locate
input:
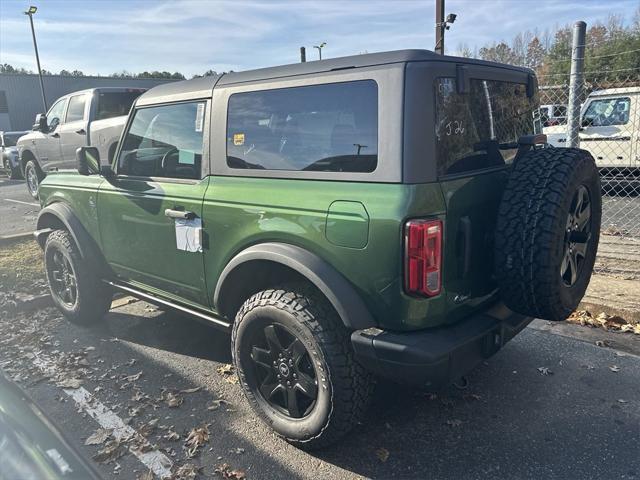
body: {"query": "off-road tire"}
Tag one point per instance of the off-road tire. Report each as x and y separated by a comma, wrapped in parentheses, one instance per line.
(344, 386)
(32, 173)
(531, 227)
(93, 297)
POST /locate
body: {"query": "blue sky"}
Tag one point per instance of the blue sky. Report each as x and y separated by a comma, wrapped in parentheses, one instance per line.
(192, 36)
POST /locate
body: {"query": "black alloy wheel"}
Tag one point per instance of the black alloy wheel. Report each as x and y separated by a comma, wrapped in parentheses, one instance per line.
(63, 279)
(286, 377)
(577, 236)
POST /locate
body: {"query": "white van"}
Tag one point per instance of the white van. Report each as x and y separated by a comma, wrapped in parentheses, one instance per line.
(610, 131)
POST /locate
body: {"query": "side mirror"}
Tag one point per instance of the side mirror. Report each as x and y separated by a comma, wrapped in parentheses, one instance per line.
(88, 160)
(41, 123)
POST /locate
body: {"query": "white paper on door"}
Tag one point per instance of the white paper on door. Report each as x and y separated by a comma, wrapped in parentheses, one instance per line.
(189, 234)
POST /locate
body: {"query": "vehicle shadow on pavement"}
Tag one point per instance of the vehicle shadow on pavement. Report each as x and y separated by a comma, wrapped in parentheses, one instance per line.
(514, 420)
(169, 331)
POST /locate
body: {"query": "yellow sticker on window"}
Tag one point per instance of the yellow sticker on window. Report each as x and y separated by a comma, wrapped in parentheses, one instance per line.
(238, 139)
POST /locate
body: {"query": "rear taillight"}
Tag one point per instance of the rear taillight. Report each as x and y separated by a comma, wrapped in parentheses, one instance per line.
(423, 257)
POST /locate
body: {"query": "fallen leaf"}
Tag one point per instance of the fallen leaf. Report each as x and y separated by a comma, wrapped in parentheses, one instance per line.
(545, 371)
(226, 369)
(133, 378)
(215, 404)
(72, 383)
(620, 400)
(172, 436)
(454, 422)
(148, 475)
(196, 438)
(382, 454)
(225, 471)
(173, 400)
(239, 451)
(98, 437)
(191, 390)
(614, 368)
(148, 427)
(188, 471)
(112, 451)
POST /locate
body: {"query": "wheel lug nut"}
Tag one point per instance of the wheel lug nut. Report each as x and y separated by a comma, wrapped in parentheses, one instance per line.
(288, 384)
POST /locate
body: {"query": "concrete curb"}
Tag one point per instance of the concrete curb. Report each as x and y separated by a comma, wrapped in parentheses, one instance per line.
(8, 239)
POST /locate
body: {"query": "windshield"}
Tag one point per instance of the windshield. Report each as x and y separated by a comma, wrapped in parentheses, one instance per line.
(606, 112)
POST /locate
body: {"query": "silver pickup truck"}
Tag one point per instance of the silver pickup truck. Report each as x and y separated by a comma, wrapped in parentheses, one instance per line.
(92, 117)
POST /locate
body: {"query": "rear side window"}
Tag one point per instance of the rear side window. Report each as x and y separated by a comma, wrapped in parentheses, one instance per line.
(479, 129)
(324, 128)
(75, 111)
(115, 104)
(164, 141)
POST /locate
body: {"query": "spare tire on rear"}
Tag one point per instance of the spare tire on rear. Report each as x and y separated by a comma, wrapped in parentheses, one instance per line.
(547, 232)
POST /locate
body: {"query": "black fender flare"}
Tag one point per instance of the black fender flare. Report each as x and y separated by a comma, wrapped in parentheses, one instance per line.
(333, 285)
(59, 214)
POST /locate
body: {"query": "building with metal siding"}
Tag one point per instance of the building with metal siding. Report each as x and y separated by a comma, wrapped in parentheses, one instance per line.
(21, 99)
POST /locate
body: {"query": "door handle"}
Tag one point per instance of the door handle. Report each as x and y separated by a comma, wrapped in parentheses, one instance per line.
(55, 135)
(172, 213)
(81, 131)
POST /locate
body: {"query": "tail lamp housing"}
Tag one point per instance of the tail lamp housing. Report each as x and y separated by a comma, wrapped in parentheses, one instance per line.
(423, 257)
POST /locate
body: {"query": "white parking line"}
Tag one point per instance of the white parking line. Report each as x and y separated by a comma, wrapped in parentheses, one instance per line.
(20, 201)
(152, 458)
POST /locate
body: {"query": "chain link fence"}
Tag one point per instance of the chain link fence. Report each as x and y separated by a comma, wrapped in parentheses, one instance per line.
(609, 128)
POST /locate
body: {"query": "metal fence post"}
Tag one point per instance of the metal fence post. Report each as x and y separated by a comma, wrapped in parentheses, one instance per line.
(576, 81)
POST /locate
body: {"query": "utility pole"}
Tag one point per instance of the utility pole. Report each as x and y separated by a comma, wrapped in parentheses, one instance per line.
(303, 54)
(439, 48)
(576, 83)
(30, 13)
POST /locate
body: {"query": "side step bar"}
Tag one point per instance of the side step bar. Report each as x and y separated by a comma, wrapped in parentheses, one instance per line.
(155, 299)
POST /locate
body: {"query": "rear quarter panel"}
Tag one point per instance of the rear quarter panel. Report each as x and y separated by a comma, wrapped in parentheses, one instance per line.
(240, 212)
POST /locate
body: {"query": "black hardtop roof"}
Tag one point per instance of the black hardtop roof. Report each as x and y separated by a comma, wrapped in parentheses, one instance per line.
(202, 87)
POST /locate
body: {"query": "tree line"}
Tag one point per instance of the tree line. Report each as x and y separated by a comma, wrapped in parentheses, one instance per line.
(612, 50)
(10, 69)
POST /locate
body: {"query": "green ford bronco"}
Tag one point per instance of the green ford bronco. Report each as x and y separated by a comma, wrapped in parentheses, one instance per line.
(393, 214)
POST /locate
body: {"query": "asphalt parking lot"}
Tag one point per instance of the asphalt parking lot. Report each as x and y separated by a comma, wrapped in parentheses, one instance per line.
(546, 406)
(18, 210)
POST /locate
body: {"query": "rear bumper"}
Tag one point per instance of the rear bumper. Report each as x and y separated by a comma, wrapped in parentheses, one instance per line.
(436, 357)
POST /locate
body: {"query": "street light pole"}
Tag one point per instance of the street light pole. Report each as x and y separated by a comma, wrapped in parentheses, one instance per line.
(320, 47)
(30, 13)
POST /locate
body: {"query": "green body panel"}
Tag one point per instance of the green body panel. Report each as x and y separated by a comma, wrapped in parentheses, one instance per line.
(79, 192)
(356, 227)
(139, 241)
(347, 224)
(240, 212)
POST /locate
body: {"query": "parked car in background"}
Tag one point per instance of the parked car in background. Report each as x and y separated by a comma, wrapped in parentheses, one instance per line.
(89, 117)
(9, 153)
(610, 131)
(553, 115)
(394, 214)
